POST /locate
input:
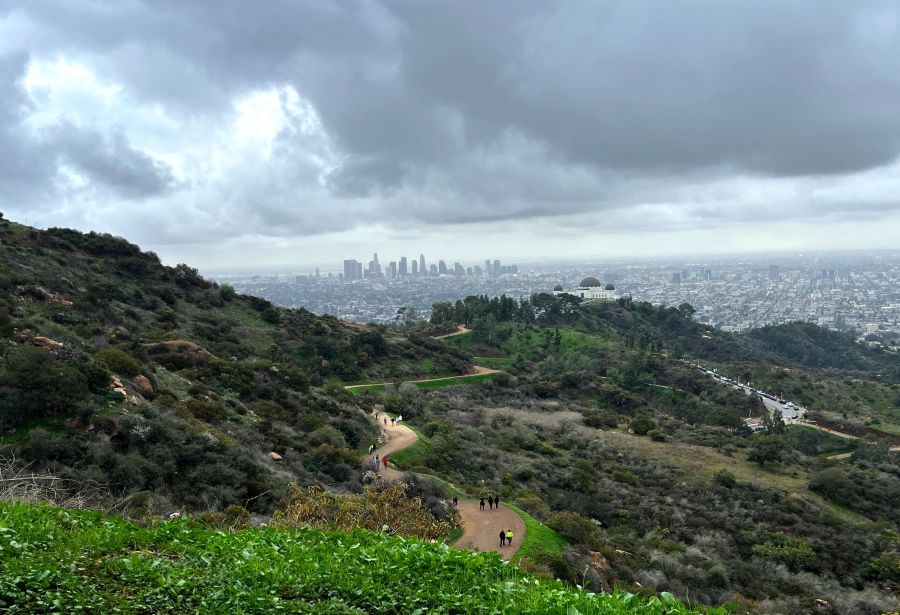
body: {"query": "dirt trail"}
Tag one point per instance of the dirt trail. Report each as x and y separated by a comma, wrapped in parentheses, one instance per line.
(399, 437)
(893, 449)
(460, 330)
(476, 370)
(481, 529)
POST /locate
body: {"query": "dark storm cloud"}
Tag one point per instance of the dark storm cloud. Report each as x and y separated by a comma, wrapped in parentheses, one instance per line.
(111, 161)
(466, 111)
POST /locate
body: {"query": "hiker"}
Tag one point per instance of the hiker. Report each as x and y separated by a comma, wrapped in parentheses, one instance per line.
(502, 538)
(455, 501)
(385, 461)
(509, 536)
(377, 460)
(491, 501)
(497, 501)
(481, 502)
(371, 448)
(385, 420)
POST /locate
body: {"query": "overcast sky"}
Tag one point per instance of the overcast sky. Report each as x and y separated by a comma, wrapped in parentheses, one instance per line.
(225, 132)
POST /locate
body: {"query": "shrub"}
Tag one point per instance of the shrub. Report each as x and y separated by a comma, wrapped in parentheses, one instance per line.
(120, 362)
(205, 410)
(642, 425)
(385, 509)
(725, 478)
(36, 384)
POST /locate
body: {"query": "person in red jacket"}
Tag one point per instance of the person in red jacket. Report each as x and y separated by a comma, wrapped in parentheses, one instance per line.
(384, 460)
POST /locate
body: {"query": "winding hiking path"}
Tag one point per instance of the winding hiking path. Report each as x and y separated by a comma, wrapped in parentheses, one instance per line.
(478, 369)
(481, 529)
(460, 330)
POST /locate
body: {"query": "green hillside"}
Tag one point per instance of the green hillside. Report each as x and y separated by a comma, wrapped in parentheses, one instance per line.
(59, 561)
(162, 386)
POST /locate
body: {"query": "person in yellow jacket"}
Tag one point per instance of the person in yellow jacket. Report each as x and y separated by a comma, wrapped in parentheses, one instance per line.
(509, 537)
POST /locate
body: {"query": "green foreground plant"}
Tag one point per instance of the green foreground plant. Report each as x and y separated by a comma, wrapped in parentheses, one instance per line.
(63, 561)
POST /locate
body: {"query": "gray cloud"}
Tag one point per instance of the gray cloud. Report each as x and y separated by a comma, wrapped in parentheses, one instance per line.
(459, 112)
(110, 160)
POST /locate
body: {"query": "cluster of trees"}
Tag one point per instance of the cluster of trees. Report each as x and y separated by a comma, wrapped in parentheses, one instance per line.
(542, 308)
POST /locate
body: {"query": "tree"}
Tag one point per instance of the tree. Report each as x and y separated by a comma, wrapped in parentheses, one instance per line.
(406, 316)
(768, 449)
(687, 310)
(442, 312)
(485, 329)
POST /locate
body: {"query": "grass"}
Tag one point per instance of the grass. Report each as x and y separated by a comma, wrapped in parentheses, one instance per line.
(495, 363)
(62, 561)
(541, 542)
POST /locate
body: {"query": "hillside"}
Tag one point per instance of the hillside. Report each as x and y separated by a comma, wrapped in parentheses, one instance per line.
(602, 432)
(104, 564)
(157, 384)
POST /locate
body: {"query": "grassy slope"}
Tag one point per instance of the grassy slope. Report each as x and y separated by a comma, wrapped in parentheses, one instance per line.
(63, 561)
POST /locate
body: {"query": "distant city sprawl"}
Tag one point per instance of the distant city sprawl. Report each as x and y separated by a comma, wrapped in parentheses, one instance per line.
(856, 291)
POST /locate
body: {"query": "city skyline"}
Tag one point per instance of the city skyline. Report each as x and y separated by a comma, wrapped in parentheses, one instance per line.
(357, 270)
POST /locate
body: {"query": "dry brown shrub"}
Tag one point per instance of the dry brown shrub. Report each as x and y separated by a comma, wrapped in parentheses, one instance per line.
(379, 508)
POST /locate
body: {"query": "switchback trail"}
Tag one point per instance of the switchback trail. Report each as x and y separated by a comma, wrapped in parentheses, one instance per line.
(481, 529)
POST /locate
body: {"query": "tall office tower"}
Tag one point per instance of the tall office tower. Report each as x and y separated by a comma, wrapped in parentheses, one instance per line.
(514, 269)
(392, 269)
(707, 275)
(422, 269)
(402, 271)
(458, 270)
(432, 270)
(676, 278)
(774, 272)
(349, 270)
(488, 272)
(415, 268)
(470, 272)
(317, 273)
(684, 275)
(476, 271)
(359, 271)
(442, 268)
(496, 270)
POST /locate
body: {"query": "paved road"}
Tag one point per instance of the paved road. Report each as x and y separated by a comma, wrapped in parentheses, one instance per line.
(481, 529)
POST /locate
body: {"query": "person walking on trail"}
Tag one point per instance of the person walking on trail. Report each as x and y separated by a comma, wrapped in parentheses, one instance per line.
(497, 501)
(481, 502)
(455, 501)
(385, 461)
(509, 537)
(377, 461)
(502, 538)
(491, 501)
(385, 420)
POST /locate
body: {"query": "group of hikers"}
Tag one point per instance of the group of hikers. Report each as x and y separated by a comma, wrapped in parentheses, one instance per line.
(493, 501)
